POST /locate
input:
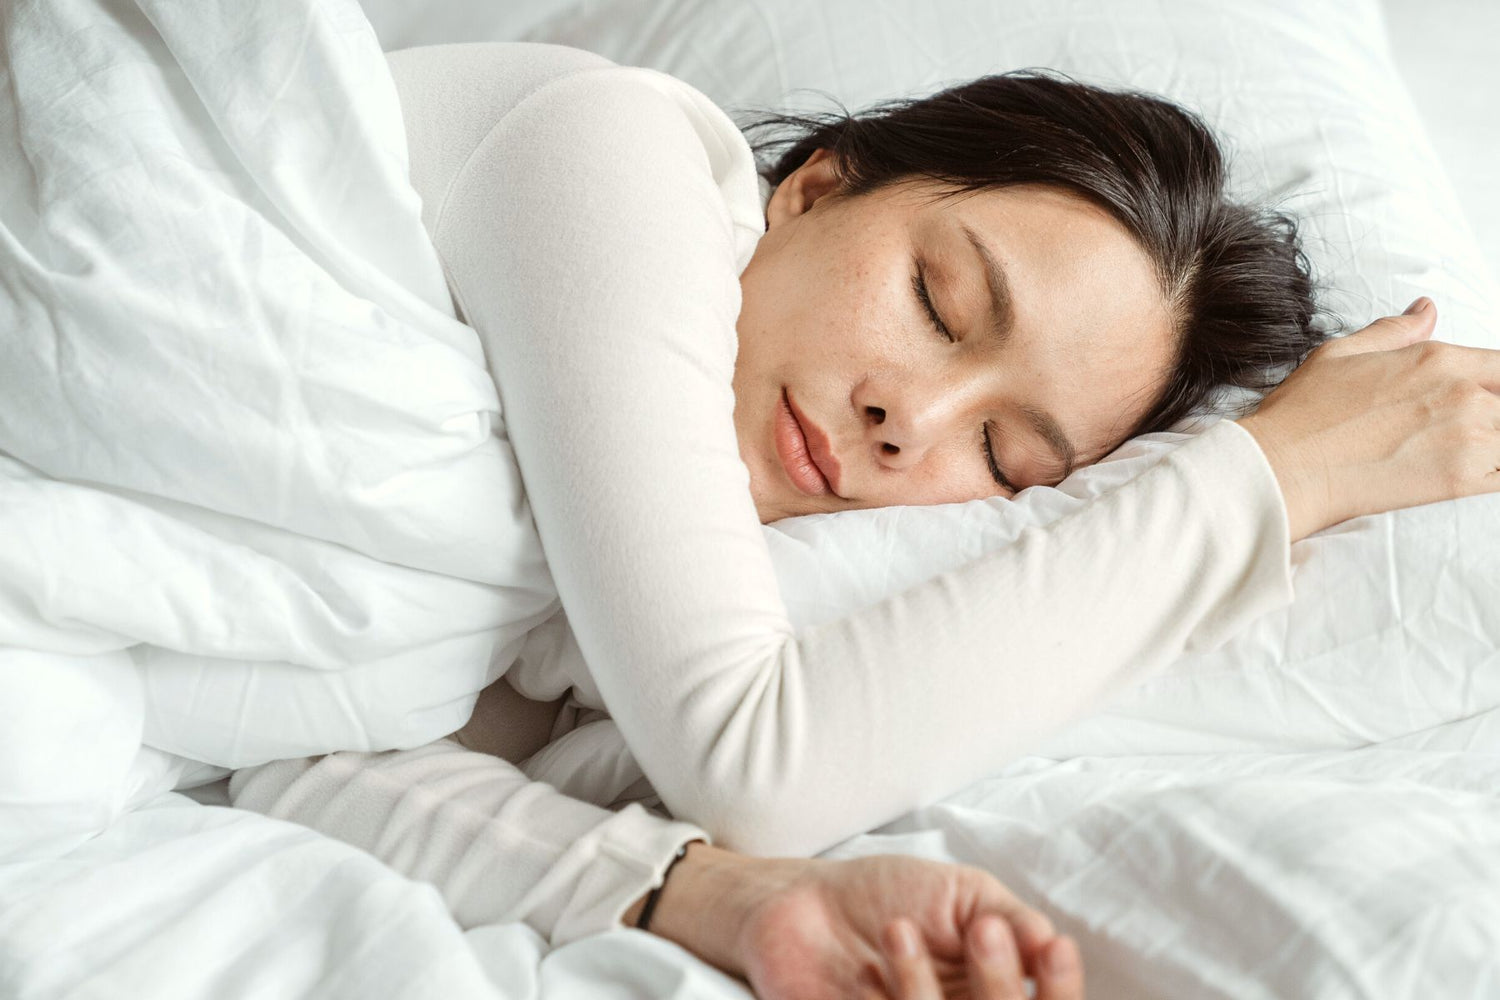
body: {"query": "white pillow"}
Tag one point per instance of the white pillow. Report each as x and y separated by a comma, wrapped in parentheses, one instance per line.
(1311, 108)
(1306, 96)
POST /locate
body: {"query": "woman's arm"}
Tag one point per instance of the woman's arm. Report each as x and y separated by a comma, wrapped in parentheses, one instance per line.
(588, 241)
(497, 845)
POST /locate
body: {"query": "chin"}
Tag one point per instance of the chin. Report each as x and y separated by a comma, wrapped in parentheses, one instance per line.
(769, 515)
(797, 505)
(773, 506)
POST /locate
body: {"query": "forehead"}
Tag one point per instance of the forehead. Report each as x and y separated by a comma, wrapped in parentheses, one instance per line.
(1049, 232)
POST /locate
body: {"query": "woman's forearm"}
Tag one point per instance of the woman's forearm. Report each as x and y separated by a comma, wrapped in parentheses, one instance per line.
(501, 848)
(498, 846)
(859, 720)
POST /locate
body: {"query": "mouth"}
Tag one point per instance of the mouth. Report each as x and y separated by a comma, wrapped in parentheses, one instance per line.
(805, 451)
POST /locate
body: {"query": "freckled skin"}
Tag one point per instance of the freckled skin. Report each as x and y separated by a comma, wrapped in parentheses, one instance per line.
(829, 313)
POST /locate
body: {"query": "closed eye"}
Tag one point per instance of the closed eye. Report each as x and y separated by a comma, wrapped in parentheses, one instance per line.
(989, 457)
(919, 285)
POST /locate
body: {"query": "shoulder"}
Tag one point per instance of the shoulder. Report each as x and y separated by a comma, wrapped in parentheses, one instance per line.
(451, 96)
(472, 110)
(444, 80)
(646, 130)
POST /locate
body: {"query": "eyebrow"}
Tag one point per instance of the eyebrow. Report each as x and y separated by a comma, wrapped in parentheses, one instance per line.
(1002, 318)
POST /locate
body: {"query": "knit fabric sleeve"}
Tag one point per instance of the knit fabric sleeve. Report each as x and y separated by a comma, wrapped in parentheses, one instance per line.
(497, 845)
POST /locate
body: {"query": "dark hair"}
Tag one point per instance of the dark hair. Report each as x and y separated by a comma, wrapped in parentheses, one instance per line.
(1236, 281)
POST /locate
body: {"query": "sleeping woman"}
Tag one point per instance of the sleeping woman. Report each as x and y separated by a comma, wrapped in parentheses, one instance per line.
(937, 300)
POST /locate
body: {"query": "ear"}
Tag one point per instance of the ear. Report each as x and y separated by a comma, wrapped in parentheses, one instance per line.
(802, 188)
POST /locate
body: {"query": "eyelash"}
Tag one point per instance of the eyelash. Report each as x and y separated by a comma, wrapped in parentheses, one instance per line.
(919, 285)
(989, 456)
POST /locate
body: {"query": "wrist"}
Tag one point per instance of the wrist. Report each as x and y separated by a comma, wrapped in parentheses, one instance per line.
(1303, 484)
(704, 904)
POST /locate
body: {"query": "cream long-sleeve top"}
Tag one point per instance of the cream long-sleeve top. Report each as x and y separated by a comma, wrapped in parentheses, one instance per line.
(593, 220)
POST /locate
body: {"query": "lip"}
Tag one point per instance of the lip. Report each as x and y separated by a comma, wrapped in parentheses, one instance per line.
(805, 451)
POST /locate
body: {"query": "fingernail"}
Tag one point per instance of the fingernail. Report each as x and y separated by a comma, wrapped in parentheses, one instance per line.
(1062, 958)
(1420, 305)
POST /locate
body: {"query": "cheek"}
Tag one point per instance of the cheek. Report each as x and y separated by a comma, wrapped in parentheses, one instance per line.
(827, 333)
(864, 321)
(952, 476)
(767, 328)
(966, 478)
(837, 289)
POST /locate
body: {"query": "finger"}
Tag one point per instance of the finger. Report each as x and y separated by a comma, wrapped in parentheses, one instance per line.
(1392, 332)
(871, 983)
(1420, 305)
(994, 962)
(1032, 932)
(1060, 976)
(910, 970)
(1031, 927)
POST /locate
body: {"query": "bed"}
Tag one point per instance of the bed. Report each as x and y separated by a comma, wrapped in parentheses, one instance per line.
(1308, 811)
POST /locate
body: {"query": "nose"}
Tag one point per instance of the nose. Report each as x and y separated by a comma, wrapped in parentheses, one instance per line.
(905, 419)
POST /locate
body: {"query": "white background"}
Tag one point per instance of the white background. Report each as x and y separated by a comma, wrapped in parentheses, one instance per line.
(1448, 52)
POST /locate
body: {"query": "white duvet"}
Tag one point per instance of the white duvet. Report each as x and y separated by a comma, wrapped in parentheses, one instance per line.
(283, 543)
(247, 456)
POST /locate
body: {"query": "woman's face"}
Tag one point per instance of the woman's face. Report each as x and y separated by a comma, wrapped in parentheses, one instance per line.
(847, 394)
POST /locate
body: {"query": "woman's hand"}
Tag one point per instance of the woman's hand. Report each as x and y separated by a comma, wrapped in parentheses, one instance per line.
(1381, 419)
(994, 969)
(810, 929)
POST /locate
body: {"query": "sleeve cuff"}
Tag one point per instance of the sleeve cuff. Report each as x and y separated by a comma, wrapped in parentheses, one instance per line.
(632, 859)
(1249, 527)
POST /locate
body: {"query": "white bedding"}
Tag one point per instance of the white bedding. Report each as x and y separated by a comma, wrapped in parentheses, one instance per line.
(271, 493)
(1446, 51)
(1305, 816)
